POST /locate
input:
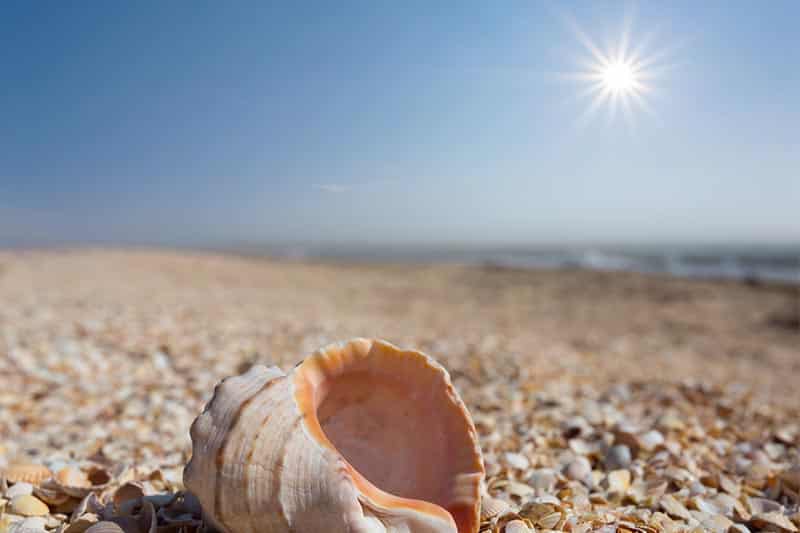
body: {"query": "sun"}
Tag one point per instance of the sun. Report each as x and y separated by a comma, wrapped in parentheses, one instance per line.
(619, 77)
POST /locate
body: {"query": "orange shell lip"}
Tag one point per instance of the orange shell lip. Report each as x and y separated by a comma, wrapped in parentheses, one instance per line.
(312, 373)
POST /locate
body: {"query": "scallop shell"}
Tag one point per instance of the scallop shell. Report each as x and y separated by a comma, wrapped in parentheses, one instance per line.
(360, 437)
(27, 472)
(491, 507)
(517, 526)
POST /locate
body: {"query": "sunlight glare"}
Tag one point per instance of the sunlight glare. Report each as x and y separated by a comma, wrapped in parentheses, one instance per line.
(619, 77)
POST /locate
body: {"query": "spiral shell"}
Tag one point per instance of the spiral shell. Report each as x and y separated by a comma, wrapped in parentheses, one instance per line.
(360, 437)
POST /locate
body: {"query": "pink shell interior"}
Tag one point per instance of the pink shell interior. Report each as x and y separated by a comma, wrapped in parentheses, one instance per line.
(396, 419)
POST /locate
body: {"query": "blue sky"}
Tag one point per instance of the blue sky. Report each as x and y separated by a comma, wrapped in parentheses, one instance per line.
(201, 123)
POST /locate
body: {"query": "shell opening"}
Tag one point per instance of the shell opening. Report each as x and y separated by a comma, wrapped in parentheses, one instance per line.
(395, 418)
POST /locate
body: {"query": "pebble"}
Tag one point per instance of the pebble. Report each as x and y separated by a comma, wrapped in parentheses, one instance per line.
(578, 469)
(791, 477)
(543, 479)
(651, 440)
(619, 481)
(517, 460)
(618, 456)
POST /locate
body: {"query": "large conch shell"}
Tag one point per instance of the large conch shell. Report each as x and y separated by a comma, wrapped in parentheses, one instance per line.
(360, 437)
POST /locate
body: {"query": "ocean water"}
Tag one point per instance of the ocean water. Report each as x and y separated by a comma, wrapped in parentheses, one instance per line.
(740, 263)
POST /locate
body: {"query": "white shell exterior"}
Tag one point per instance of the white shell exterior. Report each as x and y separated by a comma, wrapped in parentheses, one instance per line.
(262, 462)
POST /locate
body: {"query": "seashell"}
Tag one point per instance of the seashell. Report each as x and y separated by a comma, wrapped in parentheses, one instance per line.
(619, 481)
(86, 521)
(517, 460)
(27, 473)
(618, 457)
(89, 504)
(491, 507)
(578, 469)
(360, 437)
(127, 524)
(791, 477)
(28, 525)
(72, 477)
(49, 493)
(673, 507)
(19, 489)
(543, 479)
(516, 526)
(132, 490)
(773, 520)
(106, 527)
(68, 506)
(28, 505)
(188, 503)
(148, 521)
(550, 521)
(78, 483)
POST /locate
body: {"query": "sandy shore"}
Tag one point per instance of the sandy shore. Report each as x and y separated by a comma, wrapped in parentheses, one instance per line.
(110, 354)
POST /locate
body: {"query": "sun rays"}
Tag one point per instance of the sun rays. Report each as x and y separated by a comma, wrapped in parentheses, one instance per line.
(619, 78)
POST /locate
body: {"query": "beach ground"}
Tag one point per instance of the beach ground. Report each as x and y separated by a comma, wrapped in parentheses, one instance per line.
(108, 355)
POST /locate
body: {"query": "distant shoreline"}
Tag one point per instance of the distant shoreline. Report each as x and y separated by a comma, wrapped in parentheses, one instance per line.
(744, 264)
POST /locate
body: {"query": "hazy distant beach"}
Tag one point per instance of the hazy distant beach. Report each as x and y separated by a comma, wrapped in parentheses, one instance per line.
(752, 263)
(594, 325)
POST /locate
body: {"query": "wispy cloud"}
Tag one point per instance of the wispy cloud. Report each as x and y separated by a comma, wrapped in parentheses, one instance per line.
(331, 187)
(336, 188)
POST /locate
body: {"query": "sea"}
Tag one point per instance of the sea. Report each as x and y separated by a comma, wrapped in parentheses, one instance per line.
(744, 263)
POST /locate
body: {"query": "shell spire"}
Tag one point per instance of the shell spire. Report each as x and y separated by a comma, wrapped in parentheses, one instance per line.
(360, 437)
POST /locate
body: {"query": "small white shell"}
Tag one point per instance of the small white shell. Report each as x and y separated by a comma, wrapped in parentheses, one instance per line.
(360, 437)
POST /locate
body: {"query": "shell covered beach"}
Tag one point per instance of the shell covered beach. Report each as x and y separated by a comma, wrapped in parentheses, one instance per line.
(603, 401)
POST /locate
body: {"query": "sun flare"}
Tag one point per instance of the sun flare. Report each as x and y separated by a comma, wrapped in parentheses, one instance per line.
(620, 76)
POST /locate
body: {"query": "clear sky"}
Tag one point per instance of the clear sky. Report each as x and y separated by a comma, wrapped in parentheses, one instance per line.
(215, 122)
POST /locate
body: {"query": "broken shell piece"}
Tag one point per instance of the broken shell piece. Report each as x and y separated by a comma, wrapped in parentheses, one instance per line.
(131, 491)
(49, 493)
(83, 523)
(78, 483)
(148, 521)
(89, 504)
(27, 473)
(128, 524)
(360, 437)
